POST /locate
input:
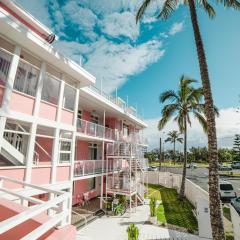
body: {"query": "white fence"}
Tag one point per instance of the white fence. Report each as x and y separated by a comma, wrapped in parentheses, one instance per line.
(236, 223)
(170, 180)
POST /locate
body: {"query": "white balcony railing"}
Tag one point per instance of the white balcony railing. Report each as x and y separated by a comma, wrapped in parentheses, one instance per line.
(92, 167)
(121, 184)
(95, 130)
(57, 205)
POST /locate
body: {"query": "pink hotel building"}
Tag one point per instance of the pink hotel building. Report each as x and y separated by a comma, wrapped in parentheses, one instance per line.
(65, 146)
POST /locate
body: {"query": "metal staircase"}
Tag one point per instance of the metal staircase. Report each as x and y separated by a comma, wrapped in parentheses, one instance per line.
(132, 174)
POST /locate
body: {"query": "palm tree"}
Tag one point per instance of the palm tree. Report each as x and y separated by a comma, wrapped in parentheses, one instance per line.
(168, 8)
(183, 102)
(173, 137)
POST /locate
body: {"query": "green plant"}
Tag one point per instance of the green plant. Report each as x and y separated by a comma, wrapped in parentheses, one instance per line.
(153, 207)
(122, 199)
(133, 232)
(119, 209)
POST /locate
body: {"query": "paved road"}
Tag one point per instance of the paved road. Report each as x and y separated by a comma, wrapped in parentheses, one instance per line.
(200, 177)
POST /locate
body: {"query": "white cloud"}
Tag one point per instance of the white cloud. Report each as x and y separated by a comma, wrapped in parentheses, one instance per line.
(84, 18)
(113, 62)
(176, 28)
(228, 124)
(120, 24)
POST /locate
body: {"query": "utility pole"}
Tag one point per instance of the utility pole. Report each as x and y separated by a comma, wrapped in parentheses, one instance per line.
(160, 153)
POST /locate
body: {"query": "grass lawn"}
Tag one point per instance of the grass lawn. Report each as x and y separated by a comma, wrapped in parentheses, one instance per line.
(172, 210)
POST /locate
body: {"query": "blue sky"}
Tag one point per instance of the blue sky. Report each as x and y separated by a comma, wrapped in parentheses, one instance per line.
(143, 60)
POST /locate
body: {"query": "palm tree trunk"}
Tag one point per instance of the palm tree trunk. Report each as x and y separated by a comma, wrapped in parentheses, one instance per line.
(182, 189)
(174, 152)
(214, 198)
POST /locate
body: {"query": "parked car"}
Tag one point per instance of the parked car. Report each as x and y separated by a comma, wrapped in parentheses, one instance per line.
(236, 204)
(192, 165)
(236, 165)
(151, 168)
(224, 168)
(226, 191)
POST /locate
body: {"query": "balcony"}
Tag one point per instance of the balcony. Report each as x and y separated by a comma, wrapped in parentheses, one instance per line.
(121, 185)
(93, 167)
(95, 130)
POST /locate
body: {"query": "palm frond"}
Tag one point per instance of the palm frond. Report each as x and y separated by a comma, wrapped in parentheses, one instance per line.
(167, 113)
(168, 95)
(168, 8)
(142, 10)
(207, 7)
(230, 3)
(201, 119)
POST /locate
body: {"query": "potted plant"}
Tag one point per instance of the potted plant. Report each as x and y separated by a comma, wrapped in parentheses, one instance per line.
(153, 217)
(133, 232)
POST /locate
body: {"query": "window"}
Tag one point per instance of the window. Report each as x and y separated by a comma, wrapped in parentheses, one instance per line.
(65, 151)
(91, 184)
(5, 60)
(125, 129)
(93, 151)
(226, 187)
(26, 79)
(69, 97)
(79, 116)
(94, 119)
(51, 87)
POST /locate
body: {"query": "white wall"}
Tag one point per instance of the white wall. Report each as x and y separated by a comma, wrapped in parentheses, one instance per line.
(236, 223)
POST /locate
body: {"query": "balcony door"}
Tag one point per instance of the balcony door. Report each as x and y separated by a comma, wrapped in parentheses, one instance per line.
(94, 151)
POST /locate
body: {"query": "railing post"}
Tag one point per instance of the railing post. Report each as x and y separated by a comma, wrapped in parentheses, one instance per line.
(83, 168)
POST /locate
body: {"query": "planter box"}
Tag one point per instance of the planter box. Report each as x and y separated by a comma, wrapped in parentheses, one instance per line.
(153, 220)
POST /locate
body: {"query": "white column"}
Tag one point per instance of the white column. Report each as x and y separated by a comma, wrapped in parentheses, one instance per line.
(103, 148)
(56, 147)
(76, 106)
(55, 155)
(41, 77)
(30, 152)
(60, 100)
(9, 88)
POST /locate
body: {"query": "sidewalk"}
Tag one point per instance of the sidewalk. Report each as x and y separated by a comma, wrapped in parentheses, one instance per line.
(114, 228)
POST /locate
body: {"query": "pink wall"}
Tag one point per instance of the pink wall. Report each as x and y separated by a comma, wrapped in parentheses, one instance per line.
(2, 89)
(9, 209)
(41, 175)
(22, 103)
(63, 173)
(46, 144)
(14, 173)
(111, 122)
(48, 111)
(67, 117)
(80, 187)
(86, 115)
(82, 150)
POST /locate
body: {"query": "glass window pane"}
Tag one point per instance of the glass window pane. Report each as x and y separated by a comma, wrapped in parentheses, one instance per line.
(26, 79)
(69, 97)
(5, 60)
(50, 90)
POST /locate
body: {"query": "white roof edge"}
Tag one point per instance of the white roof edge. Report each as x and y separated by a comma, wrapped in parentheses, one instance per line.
(73, 68)
(113, 106)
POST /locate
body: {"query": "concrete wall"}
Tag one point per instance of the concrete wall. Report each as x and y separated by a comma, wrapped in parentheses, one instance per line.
(236, 223)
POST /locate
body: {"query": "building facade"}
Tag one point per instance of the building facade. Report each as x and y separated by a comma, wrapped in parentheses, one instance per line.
(64, 144)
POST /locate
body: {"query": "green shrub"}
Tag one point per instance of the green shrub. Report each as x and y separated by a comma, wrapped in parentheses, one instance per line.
(153, 207)
(118, 209)
(133, 232)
